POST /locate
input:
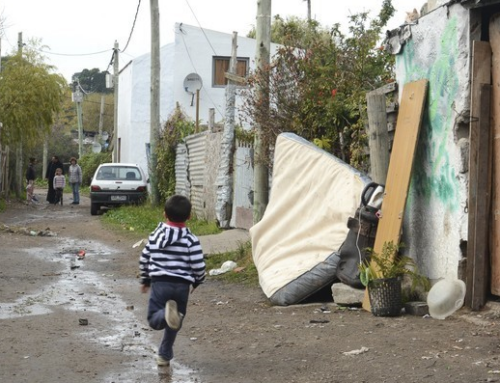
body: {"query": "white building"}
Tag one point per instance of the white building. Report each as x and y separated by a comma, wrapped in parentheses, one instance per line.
(195, 52)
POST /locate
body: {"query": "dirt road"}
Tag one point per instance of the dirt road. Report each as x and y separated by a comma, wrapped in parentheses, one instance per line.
(68, 320)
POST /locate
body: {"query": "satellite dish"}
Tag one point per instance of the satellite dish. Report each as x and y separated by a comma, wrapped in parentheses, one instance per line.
(96, 147)
(192, 83)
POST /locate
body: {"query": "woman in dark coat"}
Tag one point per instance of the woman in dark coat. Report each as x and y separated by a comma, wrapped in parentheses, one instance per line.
(54, 164)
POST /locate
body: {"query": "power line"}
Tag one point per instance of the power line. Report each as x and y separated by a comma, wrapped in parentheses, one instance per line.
(194, 68)
(72, 54)
(206, 37)
(133, 25)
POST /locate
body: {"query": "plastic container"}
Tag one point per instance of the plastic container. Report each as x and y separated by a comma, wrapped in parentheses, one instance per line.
(445, 297)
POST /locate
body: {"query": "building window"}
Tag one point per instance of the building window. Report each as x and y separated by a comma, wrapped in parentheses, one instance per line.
(221, 66)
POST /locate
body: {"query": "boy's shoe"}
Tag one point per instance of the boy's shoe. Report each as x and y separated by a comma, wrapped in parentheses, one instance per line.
(172, 316)
(162, 362)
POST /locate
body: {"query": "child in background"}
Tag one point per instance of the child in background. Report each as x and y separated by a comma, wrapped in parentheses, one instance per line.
(30, 182)
(59, 183)
(75, 180)
(170, 263)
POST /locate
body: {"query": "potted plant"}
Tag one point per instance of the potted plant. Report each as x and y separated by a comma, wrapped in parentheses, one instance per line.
(382, 275)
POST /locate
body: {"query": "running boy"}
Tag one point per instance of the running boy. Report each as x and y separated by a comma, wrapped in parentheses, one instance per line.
(170, 263)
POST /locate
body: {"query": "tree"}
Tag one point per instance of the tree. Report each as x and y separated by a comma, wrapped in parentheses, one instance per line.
(318, 82)
(91, 112)
(92, 81)
(30, 98)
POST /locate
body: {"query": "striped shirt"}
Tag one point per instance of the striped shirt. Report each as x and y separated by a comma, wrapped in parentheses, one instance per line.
(172, 252)
(59, 182)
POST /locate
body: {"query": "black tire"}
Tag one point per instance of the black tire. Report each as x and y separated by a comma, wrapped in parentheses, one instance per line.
(94, 208)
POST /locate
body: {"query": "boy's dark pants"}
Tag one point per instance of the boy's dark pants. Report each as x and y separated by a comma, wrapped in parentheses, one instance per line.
(161, 292)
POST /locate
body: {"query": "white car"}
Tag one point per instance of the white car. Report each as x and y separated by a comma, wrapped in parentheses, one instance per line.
(117, 184)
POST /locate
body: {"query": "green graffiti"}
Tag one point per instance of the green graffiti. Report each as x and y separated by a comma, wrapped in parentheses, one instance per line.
(433, 175)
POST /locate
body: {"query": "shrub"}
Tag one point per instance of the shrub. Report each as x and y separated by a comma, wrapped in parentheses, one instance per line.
(90, 162)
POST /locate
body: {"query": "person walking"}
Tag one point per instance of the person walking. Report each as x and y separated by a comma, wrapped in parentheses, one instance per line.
(75, 180)
(170, 263)
(54, 164)
(30, 182)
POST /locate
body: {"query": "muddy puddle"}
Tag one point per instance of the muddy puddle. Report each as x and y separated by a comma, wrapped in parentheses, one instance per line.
(78, 289)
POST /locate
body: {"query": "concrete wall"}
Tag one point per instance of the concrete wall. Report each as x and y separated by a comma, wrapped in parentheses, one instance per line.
(436, 219)
(134, 104)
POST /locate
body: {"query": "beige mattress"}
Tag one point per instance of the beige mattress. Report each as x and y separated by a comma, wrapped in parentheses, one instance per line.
(312, 196)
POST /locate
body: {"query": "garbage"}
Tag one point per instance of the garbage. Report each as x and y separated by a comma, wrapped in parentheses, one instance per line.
(83, 322)
(445, 297)
(319, 321)
(226, 266)
(138, 243)
(81, 254)
(362, 350)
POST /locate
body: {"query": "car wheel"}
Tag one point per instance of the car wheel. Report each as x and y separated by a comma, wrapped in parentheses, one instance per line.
(94, 208)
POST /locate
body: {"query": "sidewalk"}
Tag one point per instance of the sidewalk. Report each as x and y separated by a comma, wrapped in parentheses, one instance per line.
(228, 240)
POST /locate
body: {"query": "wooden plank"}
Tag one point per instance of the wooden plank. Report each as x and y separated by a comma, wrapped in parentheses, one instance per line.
(480, 273)
(481, 74)
(400, 167)
(234, 77)
(388, 88)
(495, 114)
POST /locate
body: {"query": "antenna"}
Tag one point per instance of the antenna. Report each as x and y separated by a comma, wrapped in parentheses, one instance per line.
(192, 83)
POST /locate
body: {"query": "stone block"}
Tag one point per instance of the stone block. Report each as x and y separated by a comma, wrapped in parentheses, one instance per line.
(346, 295)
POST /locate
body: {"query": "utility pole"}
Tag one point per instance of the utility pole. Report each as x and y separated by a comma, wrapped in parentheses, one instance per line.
(101, 118)
(78, 98)
(308, 10)
(19, 150)
(223, 206)
(155, 99)
(261, 146)
(116, 151)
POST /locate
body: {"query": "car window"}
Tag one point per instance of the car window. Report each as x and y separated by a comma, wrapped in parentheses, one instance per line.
(122, 173)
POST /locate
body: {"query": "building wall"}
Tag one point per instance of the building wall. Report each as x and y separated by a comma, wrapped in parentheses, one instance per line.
(436, 219)
(134, 105)
(192, 52)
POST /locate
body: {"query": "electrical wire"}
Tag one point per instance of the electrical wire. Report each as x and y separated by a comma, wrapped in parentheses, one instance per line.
(133, 26)
(199, 25)
(194, 68)
(72, 54)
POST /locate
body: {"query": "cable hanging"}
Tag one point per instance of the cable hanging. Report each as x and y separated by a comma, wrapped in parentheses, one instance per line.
(133, 26)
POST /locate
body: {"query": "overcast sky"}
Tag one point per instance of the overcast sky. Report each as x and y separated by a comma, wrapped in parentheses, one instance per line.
(81, 34)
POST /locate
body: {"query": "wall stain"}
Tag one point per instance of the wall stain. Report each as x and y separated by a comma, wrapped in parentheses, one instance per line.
(433, 174)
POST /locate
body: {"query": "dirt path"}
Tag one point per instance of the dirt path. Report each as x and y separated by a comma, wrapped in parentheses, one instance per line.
(69, 320)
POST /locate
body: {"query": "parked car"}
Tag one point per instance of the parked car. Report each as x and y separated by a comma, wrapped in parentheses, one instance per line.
(117, 184)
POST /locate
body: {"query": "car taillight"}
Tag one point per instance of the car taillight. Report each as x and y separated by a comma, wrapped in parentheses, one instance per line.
(95, 188)
(141, 189)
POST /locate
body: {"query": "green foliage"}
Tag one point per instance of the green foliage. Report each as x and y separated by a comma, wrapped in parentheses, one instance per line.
(30, 97)
(89, 164)
(91, 110)
(59, 143)
(243, 135)
(317, 82)
(92, 81)
(388, 264)
(175, 130)
(3, 205)
(243, 258)
(143, 219)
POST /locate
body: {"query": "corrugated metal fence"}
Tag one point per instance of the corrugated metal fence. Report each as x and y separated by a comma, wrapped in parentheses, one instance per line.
(196, 168)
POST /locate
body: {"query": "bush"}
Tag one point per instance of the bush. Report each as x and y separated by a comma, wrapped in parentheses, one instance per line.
(89, 164)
